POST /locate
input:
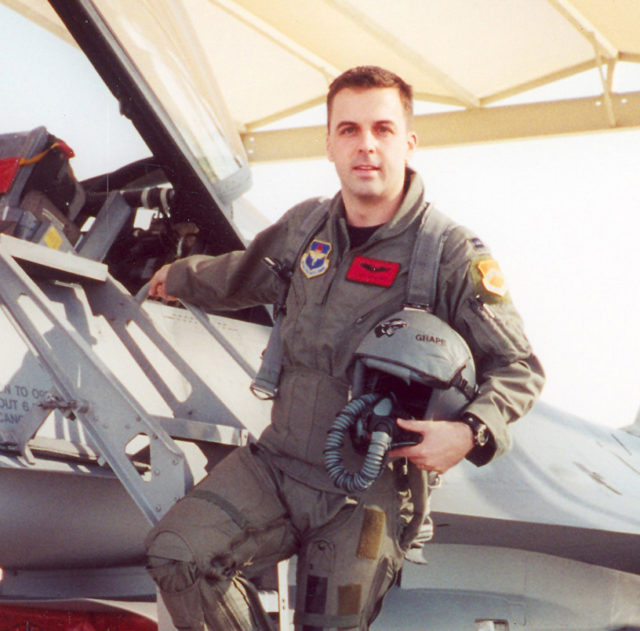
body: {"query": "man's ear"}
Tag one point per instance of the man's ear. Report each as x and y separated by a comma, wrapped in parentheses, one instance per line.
(412, 144)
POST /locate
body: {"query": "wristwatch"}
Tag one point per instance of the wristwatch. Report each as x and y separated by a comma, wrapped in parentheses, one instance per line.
(480, 430)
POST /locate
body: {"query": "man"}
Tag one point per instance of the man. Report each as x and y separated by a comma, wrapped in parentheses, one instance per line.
(273, 498)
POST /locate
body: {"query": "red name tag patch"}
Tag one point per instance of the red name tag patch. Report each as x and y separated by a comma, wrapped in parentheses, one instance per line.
(373, 271)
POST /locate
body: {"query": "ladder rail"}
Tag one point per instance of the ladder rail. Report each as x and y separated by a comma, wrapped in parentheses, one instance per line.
(114, 303)
(111, 416)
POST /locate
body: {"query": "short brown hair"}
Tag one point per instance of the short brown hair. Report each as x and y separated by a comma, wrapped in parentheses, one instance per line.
(372, 77)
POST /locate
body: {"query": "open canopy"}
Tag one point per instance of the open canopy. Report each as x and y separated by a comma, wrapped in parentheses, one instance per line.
(470, 57)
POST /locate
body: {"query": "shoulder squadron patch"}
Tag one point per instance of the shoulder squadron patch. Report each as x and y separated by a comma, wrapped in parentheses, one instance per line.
(315, 261)
(491, 277)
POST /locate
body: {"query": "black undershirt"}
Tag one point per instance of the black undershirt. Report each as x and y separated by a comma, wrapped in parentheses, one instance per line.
(359, 235)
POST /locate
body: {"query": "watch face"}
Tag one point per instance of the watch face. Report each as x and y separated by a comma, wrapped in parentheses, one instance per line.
(481, 435)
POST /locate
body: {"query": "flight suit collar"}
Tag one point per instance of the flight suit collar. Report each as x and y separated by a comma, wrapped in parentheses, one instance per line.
(409, 209)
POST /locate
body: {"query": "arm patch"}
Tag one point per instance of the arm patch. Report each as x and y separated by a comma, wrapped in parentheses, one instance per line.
(489, 280)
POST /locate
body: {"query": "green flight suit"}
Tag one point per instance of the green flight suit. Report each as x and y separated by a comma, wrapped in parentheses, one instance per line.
(327, 315)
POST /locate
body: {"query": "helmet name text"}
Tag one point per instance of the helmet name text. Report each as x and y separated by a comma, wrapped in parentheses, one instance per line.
(431, 339)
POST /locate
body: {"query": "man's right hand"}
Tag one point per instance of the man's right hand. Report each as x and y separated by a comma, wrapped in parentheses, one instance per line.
(158, 284)
(444, 444)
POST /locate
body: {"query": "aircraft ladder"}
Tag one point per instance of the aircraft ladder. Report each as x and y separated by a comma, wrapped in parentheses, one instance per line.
(85, 388)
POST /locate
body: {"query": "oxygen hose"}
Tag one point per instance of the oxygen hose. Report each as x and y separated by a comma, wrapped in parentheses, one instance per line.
(376, 452)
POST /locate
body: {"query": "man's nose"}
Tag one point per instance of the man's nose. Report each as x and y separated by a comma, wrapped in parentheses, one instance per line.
(368, 142)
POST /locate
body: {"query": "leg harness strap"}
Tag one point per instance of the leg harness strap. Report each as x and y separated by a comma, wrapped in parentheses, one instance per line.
(208, 496)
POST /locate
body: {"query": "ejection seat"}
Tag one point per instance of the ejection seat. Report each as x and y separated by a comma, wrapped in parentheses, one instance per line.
(39, 195)
(41, 200)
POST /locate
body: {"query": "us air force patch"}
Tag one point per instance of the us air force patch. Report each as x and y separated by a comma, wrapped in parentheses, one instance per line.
(315, 261)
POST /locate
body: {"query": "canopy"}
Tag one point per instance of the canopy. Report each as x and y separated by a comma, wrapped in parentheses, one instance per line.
(470, 58)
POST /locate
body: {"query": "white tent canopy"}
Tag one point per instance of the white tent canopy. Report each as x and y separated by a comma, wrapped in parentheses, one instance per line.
(272, 58)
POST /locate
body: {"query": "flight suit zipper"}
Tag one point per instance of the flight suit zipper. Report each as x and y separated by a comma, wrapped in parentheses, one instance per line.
(492, 324)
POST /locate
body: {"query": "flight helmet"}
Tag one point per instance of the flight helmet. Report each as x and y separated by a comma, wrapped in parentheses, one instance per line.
(421, 357)
(410, 365)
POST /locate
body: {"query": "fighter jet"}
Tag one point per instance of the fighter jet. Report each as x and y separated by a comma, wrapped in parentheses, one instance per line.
(112, 405)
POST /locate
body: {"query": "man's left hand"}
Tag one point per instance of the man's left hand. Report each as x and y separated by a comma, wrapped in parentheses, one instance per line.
(444, 444)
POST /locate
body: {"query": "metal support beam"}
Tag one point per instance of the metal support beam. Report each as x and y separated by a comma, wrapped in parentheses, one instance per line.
(361, 20)
(607, 81)
(489, 124)
(585, 27)
(253, 21)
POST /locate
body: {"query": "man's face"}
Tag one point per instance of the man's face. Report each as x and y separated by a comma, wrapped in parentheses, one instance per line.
(369, 143)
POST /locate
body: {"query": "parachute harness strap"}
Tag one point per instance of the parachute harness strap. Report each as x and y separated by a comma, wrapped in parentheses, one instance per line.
(423, 273)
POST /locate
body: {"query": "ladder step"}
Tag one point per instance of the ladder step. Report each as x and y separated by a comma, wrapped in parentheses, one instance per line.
(52, 262)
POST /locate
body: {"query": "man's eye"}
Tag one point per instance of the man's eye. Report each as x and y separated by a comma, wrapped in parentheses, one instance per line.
(347, 131)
